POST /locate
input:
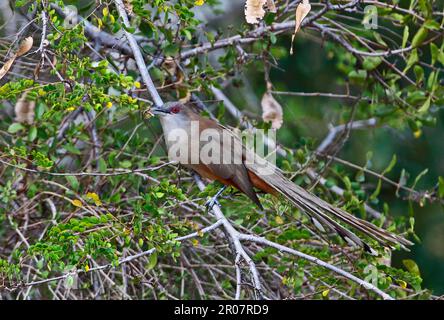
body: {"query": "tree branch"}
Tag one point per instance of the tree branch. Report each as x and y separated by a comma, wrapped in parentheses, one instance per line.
(138, 55)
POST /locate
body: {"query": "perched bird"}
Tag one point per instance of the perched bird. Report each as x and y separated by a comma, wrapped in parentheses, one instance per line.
(231, 163)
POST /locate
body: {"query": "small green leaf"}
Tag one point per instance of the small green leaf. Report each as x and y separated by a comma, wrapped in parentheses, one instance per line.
(32, 134)
(441, 187)
(160, 195)
(434, 51)
(405, 37)
(15, 127)
(422, 174)
(102, 165)
(371, 63)
(391, 165)
(419, 73)
(425, 107)
(411, 266)
(125, 164)
(413, 58)
(358, 76)
(432, 25)
(71, 149)
(73, 181)
(152, 261)
(420, 36)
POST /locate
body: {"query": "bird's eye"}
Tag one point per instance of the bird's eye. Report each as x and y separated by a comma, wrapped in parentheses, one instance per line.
(175, 109)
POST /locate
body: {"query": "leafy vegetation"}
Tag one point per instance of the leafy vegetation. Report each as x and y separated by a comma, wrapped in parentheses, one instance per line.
(90, 205)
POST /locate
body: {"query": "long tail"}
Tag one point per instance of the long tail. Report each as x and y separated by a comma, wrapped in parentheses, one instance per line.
(321, 213)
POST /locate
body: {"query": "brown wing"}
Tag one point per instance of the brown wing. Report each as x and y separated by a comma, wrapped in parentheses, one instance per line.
(232, 173)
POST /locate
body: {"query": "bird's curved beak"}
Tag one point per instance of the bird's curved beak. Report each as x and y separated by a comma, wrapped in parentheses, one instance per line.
(159, 111)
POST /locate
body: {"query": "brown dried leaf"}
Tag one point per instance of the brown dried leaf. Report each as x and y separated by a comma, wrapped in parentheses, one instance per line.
(4, 70)
(170, 65)
(271, 6)
(302, 10)
(25, 46)
(271, 109)
(128, 6)
(24, 110)
(254, 10)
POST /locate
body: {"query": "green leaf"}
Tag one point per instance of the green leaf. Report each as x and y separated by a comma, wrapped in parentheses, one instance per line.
(371, 63)
(411, 266)
(405, 37)
(432, 81)
(434, 51)
(32, 134)
(187, 34)
(375, 194)
(102, 165)
(160, 195)
(386, 170)
(420, 36)
(391, 165)
(441, 58)
(419, 73)
(129, 29)
(432, 25)
(358, 76)
(273, 38)
(441, 187)
(15, 127)
(73, 181)
(425, 107)
(152, 261)
(70, 148)
(125, 164)
(413, 58)
(423, 173)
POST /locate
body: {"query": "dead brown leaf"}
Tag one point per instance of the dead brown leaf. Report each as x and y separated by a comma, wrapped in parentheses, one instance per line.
(24, 110)
(271, 109)
(4, 70)
(302, 10)
(25, 46)
(254, 10)
(271, 6)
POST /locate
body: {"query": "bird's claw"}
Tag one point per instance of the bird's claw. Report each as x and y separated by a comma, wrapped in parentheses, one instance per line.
(211, 202)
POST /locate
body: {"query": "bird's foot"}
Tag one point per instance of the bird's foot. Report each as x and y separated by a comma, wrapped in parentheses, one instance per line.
(213, 201)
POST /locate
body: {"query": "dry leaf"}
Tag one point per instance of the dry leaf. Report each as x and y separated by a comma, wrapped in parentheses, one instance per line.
(25, 46)
(302, 11)
(24, 110)
(271, 6)
(128, 6)
(4, 70)
(170, 65)
(271, 109)
(254, 10)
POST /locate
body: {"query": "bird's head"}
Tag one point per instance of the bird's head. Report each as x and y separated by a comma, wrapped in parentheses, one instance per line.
(170, 109)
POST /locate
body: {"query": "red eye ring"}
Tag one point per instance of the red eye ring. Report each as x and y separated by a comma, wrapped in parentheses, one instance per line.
(175, 109)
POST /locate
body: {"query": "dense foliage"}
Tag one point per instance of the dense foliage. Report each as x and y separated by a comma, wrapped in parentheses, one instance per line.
(89, 204)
